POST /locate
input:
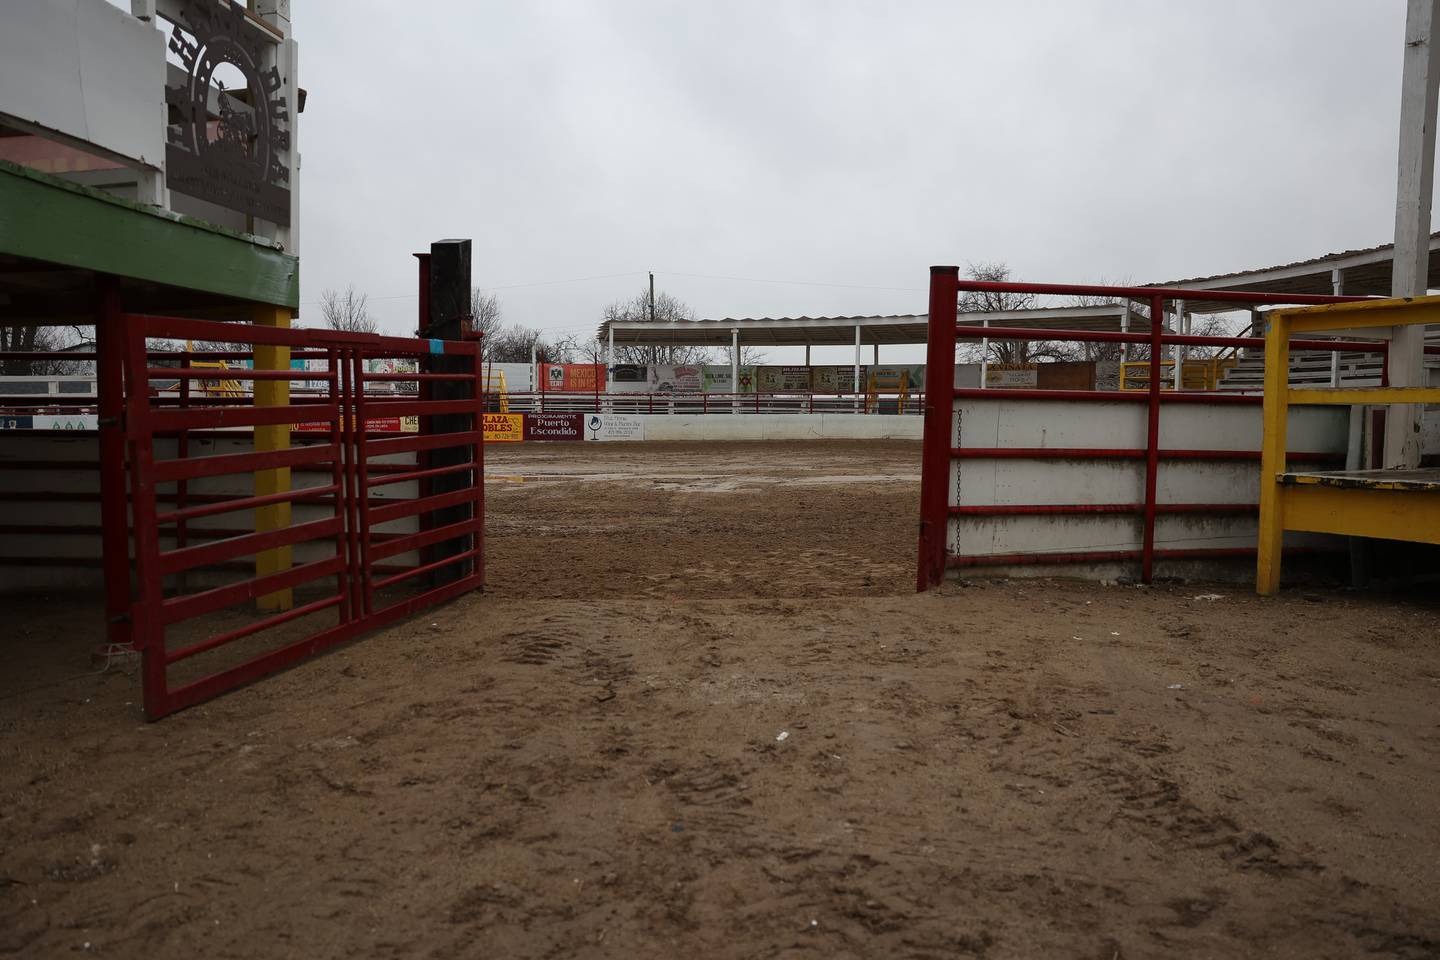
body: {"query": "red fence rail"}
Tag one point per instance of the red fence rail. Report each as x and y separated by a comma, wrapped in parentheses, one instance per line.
(939, 451)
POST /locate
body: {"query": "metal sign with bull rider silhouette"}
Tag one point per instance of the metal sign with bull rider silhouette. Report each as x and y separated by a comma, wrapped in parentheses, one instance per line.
(228, 145)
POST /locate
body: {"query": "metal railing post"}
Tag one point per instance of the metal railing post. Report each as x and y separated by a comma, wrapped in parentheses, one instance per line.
(939, 426)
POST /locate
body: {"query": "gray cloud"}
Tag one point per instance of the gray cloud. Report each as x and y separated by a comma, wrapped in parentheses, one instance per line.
(840, 143)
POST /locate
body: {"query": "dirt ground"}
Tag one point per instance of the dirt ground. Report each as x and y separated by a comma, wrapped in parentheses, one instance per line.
(700, 712)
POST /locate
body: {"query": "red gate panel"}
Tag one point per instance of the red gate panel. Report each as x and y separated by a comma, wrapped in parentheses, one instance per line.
(194, 620)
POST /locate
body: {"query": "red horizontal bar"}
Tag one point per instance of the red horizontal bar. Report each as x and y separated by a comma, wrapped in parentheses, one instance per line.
(407, 377)
(175, 609)
(1107, 453)
(1110, 556)
(427, 568)
(408, 508)
(414, 541)
(192, 468)
(419, 408)
(219, 503)
(429, 441)
(1146, 293)
(1104, 396)
(1045, 509)
(232, 416)
(239, 373)
(219, 551)
(417, 474)
(966, 331)
(215, 331)
(219, 640)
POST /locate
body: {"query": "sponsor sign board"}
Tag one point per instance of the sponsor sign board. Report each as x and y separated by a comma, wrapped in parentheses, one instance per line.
(613, 426)
(783, 379)
(555, 426)
(669, 378)
(63, 421)
(574, 377)
(1007, 376)
(716, 379)
(372, 425)
(504, 427)
(836, 379)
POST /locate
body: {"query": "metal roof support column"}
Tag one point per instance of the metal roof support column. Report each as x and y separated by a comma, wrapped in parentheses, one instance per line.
(984, 358)
(734, 369)
(1125, 328)
(1179, 356)
(1419, 86)
(1337, 285)
(857, 364)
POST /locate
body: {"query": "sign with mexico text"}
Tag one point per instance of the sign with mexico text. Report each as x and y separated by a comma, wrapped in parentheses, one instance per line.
(504, 427)
(554, 426)
(574, 377)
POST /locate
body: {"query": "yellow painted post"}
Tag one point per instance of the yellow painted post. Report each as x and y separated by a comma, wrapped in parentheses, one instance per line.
(273, 393)
(1272, 453)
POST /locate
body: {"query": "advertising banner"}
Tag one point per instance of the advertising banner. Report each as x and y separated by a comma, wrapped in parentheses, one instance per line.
(613, 426)
(895, 379)
(372, 425)
(384, 365)
(504, 427)
(716, 379)
(630, 378)
(1012, 375)
(40, 421)
(555, 426)
(574, 377)
(668, 378)
(836, 379)
(783, 379)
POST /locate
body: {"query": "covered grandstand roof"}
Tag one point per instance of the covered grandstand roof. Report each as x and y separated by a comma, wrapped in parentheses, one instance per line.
(1365, 273)
(840, 331)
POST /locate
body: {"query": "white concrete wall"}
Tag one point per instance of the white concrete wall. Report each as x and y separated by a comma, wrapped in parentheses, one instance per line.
(779, 426)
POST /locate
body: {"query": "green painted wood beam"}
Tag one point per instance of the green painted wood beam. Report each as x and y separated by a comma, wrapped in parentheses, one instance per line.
(46, 218)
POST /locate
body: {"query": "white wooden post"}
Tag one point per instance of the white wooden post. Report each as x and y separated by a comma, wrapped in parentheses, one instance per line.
(856, 401)
(609, 367)
(1420, 83)
(734, 369)
(1125, 328)
(984, 357)
(1179, 352)
(1337, 287)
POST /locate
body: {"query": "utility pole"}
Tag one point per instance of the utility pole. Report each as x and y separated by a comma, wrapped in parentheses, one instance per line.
(652, 296)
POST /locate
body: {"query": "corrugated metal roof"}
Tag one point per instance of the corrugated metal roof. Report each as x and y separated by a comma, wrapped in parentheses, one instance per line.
(840, 331)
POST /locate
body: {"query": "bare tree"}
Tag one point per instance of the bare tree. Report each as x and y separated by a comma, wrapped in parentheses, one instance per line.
(986, 301)
(486, 319)
(348, 311)
(667, 310)
(39, 339)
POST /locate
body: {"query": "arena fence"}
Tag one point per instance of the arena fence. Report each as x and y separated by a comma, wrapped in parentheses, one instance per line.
(943, 515)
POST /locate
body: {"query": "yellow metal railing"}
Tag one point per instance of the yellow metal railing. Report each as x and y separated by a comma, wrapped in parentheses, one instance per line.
(1384, 504)
(1204, 374)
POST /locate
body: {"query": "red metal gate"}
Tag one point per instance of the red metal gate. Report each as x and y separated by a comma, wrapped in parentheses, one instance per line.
(351, 577)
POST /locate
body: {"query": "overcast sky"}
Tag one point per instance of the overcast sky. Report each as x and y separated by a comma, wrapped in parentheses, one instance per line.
(845, 145)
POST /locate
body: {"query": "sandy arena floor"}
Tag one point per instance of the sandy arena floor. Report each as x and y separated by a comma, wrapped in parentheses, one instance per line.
(701, 713)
